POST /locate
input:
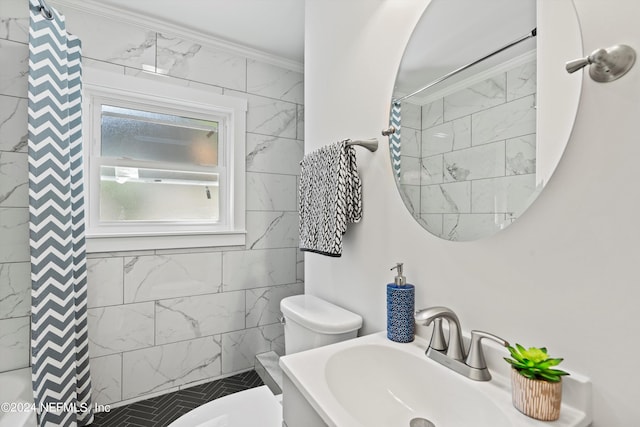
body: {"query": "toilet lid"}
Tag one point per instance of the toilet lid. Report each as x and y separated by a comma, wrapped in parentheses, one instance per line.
(231, 411)
(319, 315)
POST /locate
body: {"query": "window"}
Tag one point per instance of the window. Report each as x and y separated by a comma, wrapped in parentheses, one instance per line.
(164, 165)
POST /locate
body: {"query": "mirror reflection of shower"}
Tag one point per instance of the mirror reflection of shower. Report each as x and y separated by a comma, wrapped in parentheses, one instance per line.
(466, 151)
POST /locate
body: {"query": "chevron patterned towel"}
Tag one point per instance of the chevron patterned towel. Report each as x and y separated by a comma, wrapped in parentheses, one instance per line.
(330, 198)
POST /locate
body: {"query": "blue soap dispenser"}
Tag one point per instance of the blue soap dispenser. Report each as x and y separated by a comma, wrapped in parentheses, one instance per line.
(400, 308)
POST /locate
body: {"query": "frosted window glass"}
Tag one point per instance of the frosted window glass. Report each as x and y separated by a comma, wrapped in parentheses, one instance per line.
(136, 194)
(142, 135)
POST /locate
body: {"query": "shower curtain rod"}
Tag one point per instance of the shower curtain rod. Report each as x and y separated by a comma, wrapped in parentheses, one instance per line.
(527, 36)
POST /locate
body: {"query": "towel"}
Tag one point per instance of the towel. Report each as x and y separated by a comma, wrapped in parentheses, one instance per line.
(330, 197)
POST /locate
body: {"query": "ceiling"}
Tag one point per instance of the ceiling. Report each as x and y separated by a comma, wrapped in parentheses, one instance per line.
(272, 26)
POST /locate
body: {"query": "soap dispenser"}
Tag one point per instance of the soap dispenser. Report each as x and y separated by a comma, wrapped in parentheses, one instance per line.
(400, 308)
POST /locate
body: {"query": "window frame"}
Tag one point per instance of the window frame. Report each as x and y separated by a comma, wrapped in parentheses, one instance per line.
(100, 88)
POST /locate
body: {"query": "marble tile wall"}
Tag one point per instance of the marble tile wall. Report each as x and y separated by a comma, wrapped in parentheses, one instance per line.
(477, 155)
(410, 169)
(15, 282)
(160, 319)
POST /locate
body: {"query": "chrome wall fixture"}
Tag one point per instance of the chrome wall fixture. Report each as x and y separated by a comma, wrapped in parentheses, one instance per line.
(606, 65)
(389, 131)
(369, 144)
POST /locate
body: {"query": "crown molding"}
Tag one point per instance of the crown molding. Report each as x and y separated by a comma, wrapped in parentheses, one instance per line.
(97, 8)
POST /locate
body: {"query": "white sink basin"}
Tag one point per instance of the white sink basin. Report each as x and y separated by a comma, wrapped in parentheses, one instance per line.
(395, 386)
(371, 381)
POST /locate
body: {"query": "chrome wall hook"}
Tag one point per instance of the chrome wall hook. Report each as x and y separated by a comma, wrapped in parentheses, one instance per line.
(389, 131)
(606, 65)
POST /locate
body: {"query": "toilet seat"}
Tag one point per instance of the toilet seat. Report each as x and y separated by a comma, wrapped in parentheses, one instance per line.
(231, 411)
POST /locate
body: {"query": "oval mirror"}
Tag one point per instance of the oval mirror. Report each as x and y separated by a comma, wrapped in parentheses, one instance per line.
(483, 109)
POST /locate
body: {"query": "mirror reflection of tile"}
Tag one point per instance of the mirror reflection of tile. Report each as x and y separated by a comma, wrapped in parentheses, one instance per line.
(468, 158)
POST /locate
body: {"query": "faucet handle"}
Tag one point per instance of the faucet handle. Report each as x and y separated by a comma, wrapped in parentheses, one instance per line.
(475, 358)
(437, 337)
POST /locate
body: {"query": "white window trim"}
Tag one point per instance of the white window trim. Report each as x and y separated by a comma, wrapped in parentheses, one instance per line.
(99, 83)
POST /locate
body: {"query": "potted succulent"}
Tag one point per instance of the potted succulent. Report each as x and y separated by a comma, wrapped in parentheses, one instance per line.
(536, 387)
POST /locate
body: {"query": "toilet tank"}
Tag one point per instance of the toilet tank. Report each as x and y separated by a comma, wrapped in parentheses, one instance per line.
(312, 322)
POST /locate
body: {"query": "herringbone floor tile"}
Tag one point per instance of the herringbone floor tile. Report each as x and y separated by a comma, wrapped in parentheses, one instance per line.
(163, 410)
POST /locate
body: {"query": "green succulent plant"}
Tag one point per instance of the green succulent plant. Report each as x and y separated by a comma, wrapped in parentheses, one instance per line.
(535, 363)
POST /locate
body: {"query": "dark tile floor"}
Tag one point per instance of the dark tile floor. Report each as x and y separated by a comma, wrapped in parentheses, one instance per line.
(162, 410)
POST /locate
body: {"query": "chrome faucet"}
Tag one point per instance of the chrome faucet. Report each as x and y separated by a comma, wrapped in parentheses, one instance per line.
(452, 354)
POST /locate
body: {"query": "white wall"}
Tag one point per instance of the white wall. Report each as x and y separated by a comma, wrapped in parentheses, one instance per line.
(564, 275)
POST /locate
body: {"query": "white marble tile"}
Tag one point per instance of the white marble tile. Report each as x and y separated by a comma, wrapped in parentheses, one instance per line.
(480, 96)
(521, 81)
(432, 170)
(182, 58)
(148, 278)
(15, 28)
(300, 123)
(162, 367)
(446, 198)
(274, 155)
(268, 116)
(14, 180)
(267, 366)
(106, 379)
(239, 348)
(120, 328)
(506, 194)
(89, 64)
(185, 318)
(258, 268)
(14, 343)
(410, 116)
(505, 121)
(15, 289)
(112, 41)
(433, 113)
(299, 266)
(432, 222)
(411, 197)
(263, 304)
(484, 161)
(13, 123)
(14, 232)
(105, 281)
(411, 142)
(271, 192)
(15, 68)
(177, 81)
(14, 21)
(410, 170)
(272, 230)
(446, 137)
(463, 227)
(275, 82)
(521, 155)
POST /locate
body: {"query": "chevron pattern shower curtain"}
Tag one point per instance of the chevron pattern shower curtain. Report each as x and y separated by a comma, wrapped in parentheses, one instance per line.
(59, 339)
(394, 138)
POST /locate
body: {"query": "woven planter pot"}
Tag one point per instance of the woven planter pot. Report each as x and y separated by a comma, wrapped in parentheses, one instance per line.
(536, 398)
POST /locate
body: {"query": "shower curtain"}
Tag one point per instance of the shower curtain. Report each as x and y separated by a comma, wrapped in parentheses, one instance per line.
(394, 138)
(59, 340)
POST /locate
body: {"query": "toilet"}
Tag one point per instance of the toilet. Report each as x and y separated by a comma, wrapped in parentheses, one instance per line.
(309, 322)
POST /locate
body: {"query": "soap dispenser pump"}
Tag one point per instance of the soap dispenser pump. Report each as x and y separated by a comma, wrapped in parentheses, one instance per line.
(400, 308)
